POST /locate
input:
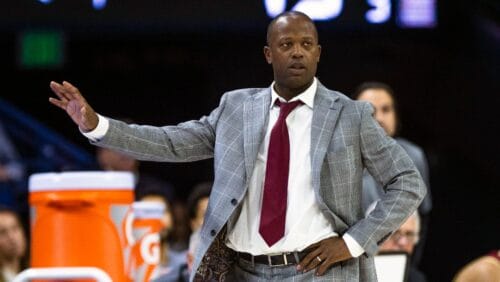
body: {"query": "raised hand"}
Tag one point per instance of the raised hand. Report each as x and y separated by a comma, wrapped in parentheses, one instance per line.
(325, 254)
(72, 102)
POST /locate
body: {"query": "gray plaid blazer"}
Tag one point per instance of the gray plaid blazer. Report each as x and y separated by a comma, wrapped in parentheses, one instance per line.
(345, 139)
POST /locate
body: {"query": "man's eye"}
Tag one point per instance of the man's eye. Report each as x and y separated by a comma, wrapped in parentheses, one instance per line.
(285, 45)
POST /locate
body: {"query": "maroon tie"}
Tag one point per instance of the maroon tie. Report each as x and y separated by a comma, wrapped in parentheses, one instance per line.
(273, 213)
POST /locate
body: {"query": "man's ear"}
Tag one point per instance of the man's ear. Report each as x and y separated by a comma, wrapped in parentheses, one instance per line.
(267, 54)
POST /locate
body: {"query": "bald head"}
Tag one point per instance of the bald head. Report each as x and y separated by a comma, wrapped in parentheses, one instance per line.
(284, 16)
(294, 53)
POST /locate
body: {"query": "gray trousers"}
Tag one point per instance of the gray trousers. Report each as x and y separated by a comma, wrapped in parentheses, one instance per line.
(245, 271)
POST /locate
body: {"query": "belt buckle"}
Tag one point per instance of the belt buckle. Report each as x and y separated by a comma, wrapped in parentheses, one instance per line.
(285, 260)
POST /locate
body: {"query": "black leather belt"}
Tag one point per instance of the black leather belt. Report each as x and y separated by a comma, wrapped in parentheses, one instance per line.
(274, 260)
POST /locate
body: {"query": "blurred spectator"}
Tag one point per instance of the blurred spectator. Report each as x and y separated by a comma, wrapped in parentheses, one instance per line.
(484, 269)
(194, 239)
(172, 267)
(198, 203)
(197, 206)
(154, 194)
(11, 170)
(179, 237)
(404, 240)
(13, 248)
(171, 261)
(384, 101)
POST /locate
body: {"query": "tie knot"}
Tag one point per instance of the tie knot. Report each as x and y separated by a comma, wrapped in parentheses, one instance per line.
(286, 108)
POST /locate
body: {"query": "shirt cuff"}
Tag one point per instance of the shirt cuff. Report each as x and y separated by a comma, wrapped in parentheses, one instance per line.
(354, 248)
(100, 130)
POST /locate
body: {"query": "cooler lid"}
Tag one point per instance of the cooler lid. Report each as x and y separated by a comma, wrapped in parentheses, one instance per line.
(81, 180)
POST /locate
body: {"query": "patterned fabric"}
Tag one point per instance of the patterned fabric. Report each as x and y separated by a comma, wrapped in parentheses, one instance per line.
(372, 191)
(217, 262)
(345, 139)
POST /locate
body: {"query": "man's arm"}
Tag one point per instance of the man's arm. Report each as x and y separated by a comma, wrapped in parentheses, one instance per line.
(188, 141)
(404, 189)
(185, 142)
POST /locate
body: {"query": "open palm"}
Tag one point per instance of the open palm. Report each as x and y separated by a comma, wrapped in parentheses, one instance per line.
(72, 102)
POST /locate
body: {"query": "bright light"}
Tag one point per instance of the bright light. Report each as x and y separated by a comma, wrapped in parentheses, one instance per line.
(99, 4)
(274, 7)
(417, 13)
(380, 13)
(316, 9)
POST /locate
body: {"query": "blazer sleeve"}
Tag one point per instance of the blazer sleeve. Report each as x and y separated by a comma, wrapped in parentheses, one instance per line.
(403, 186)
(420, 161)
(188, 141)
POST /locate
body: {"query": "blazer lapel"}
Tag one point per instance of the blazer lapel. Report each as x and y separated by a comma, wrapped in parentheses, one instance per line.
(255, 119)
(325, 115)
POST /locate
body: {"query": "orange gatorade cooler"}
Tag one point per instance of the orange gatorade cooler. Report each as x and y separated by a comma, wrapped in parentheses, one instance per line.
(76, 220)
(146, 226)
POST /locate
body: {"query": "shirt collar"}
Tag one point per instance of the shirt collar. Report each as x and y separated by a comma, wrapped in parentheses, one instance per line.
(307, 97)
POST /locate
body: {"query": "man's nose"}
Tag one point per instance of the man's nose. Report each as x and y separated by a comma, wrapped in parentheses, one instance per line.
(297, 51)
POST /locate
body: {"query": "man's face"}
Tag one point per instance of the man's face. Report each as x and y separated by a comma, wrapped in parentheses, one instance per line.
(385, 113)
(404, 239)
(12, 241)
(293, 51)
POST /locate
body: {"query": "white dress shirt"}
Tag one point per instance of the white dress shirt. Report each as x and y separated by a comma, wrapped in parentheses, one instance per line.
(305, 223)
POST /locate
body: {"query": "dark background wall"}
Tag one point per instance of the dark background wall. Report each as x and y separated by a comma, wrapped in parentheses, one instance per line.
(447, 80)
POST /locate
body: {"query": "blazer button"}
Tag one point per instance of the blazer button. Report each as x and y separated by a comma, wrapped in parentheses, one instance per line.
(234, 202)
(213, 232)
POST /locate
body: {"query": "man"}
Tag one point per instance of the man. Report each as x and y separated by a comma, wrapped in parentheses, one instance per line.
(404, 240)
(382, 97)
(12, 244)
(282, 203)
